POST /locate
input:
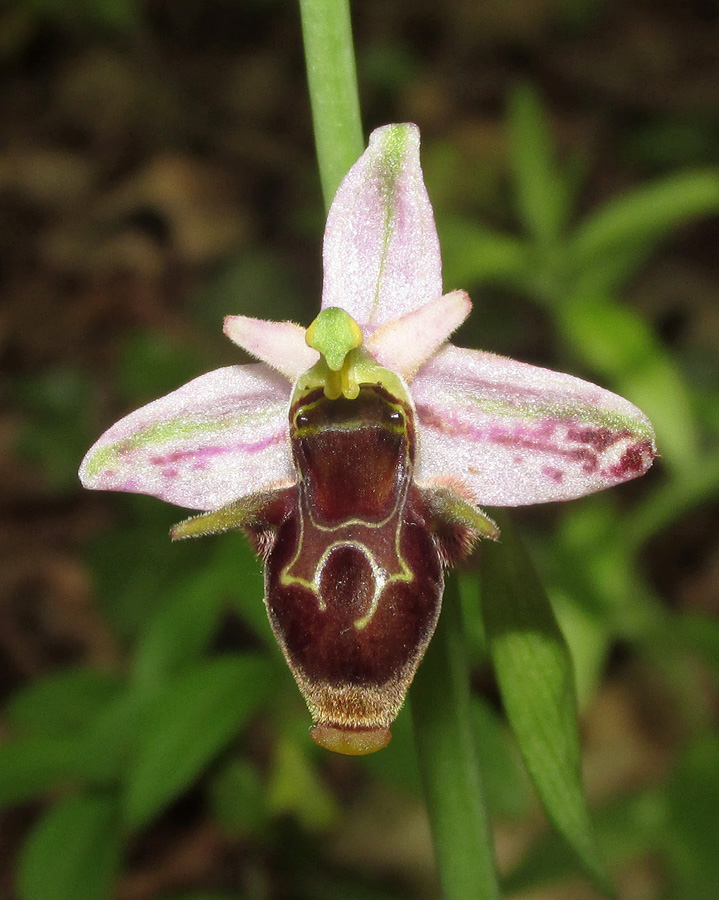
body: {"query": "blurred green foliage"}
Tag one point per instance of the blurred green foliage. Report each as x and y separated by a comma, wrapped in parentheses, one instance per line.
(113, 750)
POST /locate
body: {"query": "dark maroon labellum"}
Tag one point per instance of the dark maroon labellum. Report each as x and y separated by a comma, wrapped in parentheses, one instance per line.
(354, 559)
(354, 578)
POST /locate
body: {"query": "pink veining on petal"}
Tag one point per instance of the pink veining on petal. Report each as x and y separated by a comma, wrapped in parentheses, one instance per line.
(381, 251)
(520, 437)
(205, 453)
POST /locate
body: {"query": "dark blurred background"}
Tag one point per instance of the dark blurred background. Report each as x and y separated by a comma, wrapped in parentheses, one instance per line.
(157, 172)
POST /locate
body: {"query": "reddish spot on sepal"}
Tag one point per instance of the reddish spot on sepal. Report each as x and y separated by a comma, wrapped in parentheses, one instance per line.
(351, 741)
(634, 460)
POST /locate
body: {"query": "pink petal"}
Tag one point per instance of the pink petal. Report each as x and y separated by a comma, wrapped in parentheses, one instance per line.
(381, 252)
(218, 438)
(405, 344)
(279, 344)
(515, 434)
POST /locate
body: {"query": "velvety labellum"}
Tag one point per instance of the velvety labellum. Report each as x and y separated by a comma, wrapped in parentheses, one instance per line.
(354, 558)
(354, 578)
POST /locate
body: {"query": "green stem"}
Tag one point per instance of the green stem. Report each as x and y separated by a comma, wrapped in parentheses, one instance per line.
(448, 763)
(327, 35)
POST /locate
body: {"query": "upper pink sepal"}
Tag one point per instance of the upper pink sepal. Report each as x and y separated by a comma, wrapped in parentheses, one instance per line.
(517, 434)
(405, 344)
(217, 438)
(381, 251)
(279, 344)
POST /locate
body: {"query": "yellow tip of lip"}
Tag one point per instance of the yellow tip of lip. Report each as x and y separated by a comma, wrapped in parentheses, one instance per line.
(351, 741)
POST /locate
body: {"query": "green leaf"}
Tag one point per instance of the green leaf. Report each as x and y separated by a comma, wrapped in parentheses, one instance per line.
(193, 718)
(645, 214)
(63, 702)
(110, 739)
(698, 632)
(503, 776)
(31, 766)
(296, 788)
(536, 680)
(448, 763)
(179, 632)
(135, 567)
(95, 754)
(397, 764)
(73, 852)
(237, 798)
(542, 196)
(628, 827)
(692, 797)
(607, 273)
(239, 574)
(472, 254)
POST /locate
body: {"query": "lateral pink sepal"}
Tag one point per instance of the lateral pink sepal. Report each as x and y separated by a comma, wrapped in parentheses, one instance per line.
(217, 438)
(515, 434)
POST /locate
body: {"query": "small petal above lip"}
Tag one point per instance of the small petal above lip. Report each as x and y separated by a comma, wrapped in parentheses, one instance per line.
(279, 344)
(515, 434)
(405, 344)
(381, 250)
(217, 438)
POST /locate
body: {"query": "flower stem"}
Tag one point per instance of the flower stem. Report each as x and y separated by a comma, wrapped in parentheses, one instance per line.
(448, 763)
(329, 54)
(440, 694)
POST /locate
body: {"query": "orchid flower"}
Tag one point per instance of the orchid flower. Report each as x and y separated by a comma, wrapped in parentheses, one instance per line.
(355, 454)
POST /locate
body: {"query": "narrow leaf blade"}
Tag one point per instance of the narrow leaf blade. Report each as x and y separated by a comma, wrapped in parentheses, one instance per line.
(194, 718)
(178, 633)
(542, 196)
(628, 827)
(475, 255)
(536, 680)
(448, 763)
(61, 703)
(31, 766)
(73, 852)
(645, 214)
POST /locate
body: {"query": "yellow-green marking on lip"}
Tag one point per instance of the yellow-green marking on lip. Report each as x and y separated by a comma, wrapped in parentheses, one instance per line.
(351, 741)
